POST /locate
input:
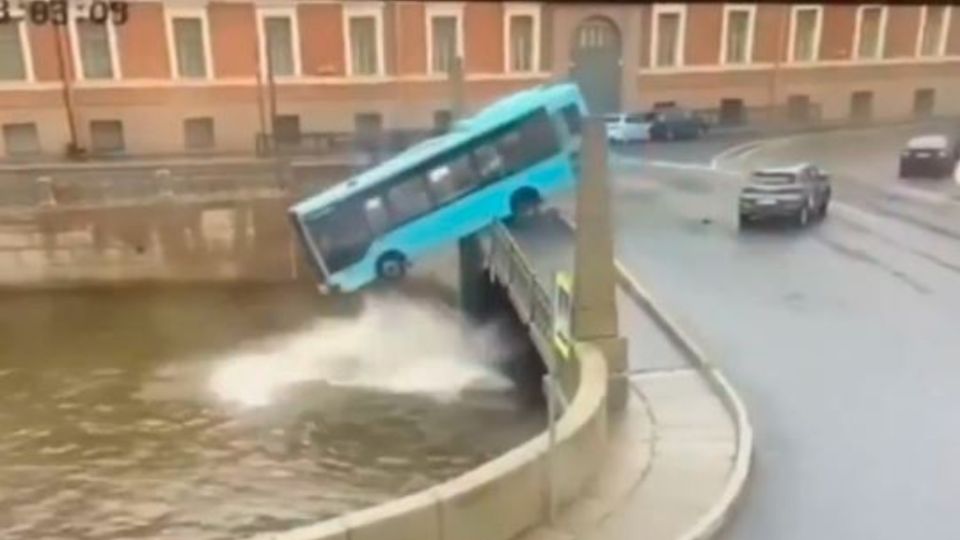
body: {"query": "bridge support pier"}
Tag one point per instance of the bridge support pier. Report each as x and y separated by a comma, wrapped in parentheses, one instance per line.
(594, 318)
(473, 280)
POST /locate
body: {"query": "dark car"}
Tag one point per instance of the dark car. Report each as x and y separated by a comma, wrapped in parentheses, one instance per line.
(800, 193)
(674, 123)
(929, 156)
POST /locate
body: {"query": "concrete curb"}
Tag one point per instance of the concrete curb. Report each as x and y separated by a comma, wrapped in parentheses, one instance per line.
(711, 521)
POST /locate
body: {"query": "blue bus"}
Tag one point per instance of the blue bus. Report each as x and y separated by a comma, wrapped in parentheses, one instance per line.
(501, 162)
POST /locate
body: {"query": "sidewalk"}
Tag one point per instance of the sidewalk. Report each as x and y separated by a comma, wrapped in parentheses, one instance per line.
(671, 455)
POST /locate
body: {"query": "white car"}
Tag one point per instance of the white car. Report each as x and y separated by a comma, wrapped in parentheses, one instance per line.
(626, 128)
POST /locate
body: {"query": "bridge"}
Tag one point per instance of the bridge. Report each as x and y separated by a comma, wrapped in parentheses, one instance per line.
(647, 439)
(644, 433)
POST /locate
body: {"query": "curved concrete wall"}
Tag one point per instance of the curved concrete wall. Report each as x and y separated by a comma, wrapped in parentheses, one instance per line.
(503, 497)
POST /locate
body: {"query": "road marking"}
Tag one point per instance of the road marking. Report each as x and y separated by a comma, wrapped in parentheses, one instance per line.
(702, 167)
(919, 194)
(749, 147)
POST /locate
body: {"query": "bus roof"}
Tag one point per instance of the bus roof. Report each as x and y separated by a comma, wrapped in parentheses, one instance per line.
(485, 120)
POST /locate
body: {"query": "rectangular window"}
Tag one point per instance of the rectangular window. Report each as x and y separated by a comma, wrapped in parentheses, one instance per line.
(798, 108)
(933, 36)
(21, 139)
(806, 34)
(342, 236)
(198, 133)
(668, 40)
(368, 126)
(739, 36)
(923, 102)
(279, 45)
(861, 105)
(364, 54)
(452, 179)
(13, 65)
(106, 136)
(377, 217)
(871, 30)
(527, 144)
(521, 43)
(489, 161)
(408, 199)
(286, 129)
(95, 49)
(443, 28)
(190, 47)
(442, 120)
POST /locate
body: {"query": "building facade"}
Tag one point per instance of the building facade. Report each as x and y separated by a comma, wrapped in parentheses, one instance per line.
(195, 75)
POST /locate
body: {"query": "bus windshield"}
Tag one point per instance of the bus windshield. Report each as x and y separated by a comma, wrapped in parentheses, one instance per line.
(440, 191)
(341, 236)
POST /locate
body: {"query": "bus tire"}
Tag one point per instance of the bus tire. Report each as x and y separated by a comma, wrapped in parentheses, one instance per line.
(391, 266)
(524, 203)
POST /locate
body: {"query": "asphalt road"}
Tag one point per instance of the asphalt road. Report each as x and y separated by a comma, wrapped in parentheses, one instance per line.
(842, 338)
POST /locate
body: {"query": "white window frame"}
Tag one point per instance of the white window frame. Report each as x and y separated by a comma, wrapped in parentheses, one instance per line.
(453, 9)
(18, 13)
(363, 9)
(171, 13)
(882, 46)
(516, 10)
(751, 10)
(817, 33)
(75, 14)
(944, 32)
(289, 12)
(679, 58)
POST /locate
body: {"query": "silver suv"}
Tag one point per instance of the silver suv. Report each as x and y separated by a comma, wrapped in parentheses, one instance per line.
(800, 193)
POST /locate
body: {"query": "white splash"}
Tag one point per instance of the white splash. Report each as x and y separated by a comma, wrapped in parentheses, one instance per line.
(397, 345)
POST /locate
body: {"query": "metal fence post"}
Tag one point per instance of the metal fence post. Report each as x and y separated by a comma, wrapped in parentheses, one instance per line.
(548, 391)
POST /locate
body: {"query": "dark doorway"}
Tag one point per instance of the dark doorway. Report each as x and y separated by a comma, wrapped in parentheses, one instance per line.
(732, 112)
(597, 64)
(923, 102)
(861, 106)
(798, 109)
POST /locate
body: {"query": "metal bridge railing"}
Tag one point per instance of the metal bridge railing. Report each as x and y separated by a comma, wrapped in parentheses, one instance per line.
(513, 270)
(529, 295)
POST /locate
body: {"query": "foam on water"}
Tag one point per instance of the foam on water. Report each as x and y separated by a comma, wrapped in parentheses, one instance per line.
(396, 345)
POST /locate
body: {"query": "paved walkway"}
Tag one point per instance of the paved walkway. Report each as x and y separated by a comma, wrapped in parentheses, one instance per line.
(671, 452)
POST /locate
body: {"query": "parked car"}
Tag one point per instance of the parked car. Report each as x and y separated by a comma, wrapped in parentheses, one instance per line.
(673, 123)
(626, 128)
(800, 192)
(929, 156)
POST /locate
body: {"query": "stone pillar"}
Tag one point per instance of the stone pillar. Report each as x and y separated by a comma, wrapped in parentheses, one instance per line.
(594, 317)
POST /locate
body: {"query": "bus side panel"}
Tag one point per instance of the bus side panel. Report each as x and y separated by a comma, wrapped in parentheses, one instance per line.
(460, 219)
(475, 211)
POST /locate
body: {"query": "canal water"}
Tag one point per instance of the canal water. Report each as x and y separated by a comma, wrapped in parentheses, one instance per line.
(206, 413)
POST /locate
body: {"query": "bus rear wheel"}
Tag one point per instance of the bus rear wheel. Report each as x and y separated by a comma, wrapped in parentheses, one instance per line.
(391, 266)
(524, 204)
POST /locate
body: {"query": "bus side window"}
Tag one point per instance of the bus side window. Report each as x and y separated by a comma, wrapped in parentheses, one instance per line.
(489, 162)
(452, 179)
(377, 215)
(571, 115)
(531, 142)
(408, 199)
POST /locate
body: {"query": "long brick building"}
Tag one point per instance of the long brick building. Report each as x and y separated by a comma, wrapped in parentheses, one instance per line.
(190, 75)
